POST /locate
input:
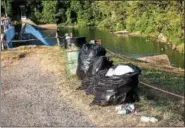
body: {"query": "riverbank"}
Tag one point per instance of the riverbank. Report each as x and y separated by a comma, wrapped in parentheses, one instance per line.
(167, 109)
(67, 26)
(159, 39)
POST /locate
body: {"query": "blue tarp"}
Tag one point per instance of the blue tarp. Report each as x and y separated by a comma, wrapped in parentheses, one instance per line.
(9, 34)
(38, 34)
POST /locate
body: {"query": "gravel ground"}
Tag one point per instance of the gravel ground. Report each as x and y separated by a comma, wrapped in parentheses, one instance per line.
(31, 97)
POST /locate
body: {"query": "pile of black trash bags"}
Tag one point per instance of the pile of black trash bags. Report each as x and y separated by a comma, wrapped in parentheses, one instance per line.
(110, 84)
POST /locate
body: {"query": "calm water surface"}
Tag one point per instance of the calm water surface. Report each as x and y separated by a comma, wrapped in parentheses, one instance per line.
(130, 46)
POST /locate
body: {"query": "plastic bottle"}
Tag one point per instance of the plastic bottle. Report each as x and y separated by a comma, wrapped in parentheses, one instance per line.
(148, 119)
(145, 119)
(122, 111)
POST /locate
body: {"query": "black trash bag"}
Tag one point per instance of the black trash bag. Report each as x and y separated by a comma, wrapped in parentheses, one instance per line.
(93, 81)
(86, 57)
(99, 63)
(103, 98)
(111, 97)
(132, 96)
(85, 83)
(112, 90)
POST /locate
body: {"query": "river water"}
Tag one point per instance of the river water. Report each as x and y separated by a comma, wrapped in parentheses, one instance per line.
(130, 46)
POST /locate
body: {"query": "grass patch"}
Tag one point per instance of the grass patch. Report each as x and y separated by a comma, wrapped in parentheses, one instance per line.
(19, 52)
(13, 55)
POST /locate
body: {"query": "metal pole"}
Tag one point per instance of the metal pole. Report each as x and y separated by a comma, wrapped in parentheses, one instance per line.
(57, 37)
(5, 8)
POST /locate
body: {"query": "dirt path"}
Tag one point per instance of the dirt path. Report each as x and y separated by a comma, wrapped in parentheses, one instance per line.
(31, 97)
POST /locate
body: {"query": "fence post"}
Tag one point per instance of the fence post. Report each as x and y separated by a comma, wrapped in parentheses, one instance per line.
(57, 37)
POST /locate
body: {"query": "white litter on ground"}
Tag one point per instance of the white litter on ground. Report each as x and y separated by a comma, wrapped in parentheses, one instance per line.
(148, 119)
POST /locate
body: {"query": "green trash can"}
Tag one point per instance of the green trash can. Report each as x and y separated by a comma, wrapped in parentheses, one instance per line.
(72, 60)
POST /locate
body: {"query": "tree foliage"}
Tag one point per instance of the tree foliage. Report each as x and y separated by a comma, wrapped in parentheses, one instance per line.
(148, 17)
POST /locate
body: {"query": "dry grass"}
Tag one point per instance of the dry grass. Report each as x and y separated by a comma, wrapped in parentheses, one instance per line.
(9, 57)
(169, 112)
(165, 110)
(18, 53)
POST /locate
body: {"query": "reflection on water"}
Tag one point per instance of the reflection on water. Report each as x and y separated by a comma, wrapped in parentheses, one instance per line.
(130, 46)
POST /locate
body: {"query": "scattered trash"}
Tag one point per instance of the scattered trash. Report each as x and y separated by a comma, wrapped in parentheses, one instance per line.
(118, 107)
(125, 109)
(148, 119)
(153, 119)
(123, 112)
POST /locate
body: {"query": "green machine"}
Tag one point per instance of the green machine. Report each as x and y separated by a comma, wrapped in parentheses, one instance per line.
(72, 60)
(73, 52)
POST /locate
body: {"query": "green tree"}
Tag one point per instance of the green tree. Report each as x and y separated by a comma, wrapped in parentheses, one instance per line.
(49, 11)
(147, 17)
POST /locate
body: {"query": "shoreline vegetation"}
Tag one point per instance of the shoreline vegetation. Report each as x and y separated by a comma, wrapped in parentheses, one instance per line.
(158, 39)
(159, 20)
